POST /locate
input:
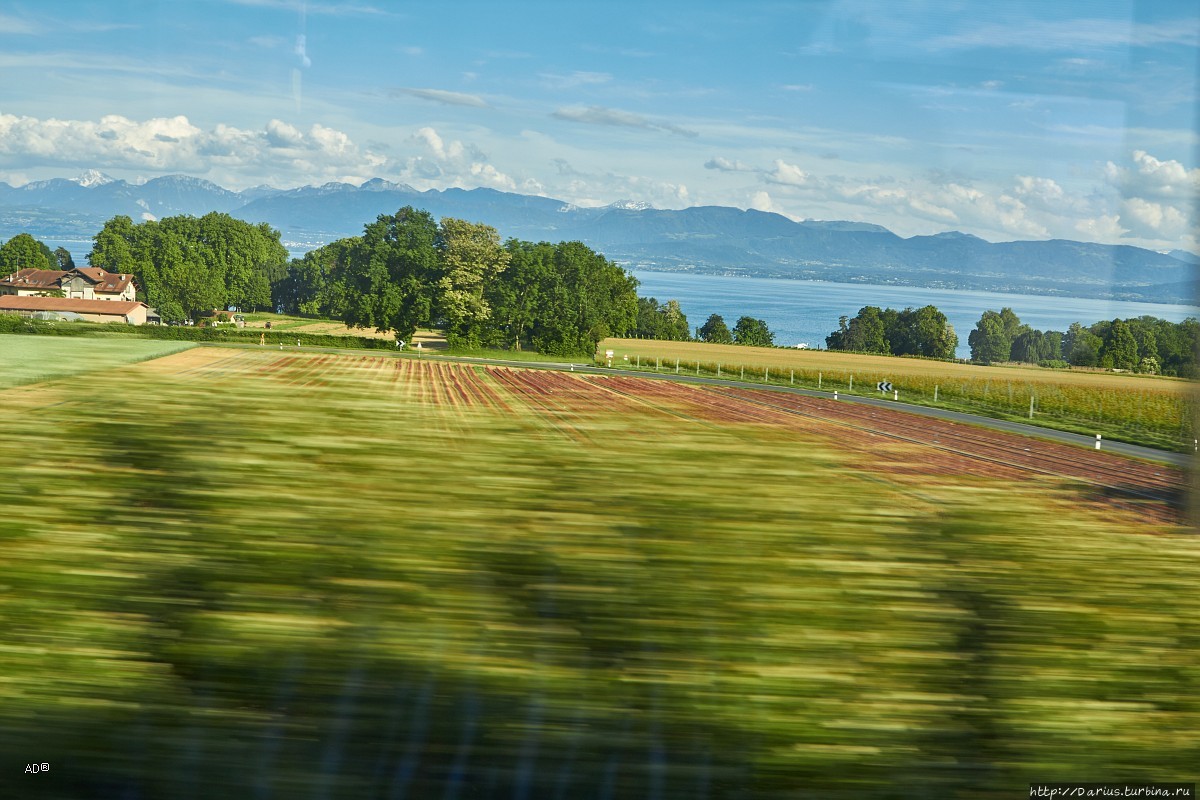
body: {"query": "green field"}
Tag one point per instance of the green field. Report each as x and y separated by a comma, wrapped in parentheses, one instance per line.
(28, 359)
(295, 575)
(1142, 409)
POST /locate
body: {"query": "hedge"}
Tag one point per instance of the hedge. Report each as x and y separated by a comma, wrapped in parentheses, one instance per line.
(10, 323)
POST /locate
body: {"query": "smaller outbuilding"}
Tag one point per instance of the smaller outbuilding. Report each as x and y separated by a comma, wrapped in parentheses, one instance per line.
(131, 312)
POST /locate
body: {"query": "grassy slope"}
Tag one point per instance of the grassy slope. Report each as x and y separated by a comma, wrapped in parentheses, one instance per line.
(357, 584)
(27, 359)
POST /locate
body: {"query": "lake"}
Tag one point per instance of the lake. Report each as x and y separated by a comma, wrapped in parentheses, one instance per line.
(807, 311)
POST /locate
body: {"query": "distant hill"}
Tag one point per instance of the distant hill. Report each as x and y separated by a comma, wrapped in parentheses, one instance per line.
(709, 239)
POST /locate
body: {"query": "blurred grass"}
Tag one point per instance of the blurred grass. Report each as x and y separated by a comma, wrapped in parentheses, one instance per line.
(350, 587)
(29, 359)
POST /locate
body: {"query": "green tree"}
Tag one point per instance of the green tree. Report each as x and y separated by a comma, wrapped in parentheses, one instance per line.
(516, 300)
(865, 333)
(185, 266)
(390, 274)
(25, 252)
(471, 257)
(62, 256)
(753, 333)
(1081, 347)
(928, 333)
(993, 336)
(666, 321)
(1028, 346)
(714, 330)
(1120, 346)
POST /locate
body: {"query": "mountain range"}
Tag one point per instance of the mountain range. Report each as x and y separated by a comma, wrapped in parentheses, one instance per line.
(707, 239)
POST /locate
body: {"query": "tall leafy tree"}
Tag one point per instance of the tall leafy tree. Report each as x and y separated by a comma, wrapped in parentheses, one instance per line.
(516, 300)
(1081, 347)
(390, 276)
(661, 321)
(25, 252)
(992, 339)
(1120, 347)
(471, 257)
(315, 284)
(63, 258)
(752, 332)
(865, 333)
(714, 330)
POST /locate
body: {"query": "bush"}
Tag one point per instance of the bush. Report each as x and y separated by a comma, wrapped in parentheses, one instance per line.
(1054, 363)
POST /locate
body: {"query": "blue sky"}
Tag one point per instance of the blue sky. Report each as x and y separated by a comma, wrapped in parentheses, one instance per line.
(1006, 120)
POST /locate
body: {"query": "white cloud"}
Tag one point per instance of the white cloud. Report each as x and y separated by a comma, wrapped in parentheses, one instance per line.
(762, 201)
(1045, 194)
(444, 97)
(1104, 228)
(1066, 34)
(452, 163)
(1157, 198)
(1153, 177)
(725, 165)
(1152, 220)
(232, 156)
(787, 174)
(575, 79)
(598, 115)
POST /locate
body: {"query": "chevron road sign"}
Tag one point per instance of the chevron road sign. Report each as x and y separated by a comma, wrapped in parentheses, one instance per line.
(883, 386)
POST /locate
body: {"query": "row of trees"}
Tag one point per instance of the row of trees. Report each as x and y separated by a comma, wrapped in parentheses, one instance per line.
(1142, 344)
(185, 266)
(747, 330)
(408, 271)
(921, 332)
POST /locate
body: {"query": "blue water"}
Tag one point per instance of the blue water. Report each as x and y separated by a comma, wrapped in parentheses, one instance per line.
(807, 311)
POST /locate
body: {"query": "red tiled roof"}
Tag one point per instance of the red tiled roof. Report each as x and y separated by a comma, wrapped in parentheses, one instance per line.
(35, 278)
(114, 307)
(104, 281)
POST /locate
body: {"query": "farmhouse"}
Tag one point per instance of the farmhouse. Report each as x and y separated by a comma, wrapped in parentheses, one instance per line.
(128, 311)
(80, 283)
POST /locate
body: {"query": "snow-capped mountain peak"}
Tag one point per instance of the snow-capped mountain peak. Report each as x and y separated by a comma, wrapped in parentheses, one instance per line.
(92, 178)
(631, 205)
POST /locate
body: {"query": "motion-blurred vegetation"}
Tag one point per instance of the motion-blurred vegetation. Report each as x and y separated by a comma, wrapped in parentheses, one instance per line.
(223, 583)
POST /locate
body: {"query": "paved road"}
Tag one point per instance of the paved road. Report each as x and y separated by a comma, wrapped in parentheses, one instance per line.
(1122, 448)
